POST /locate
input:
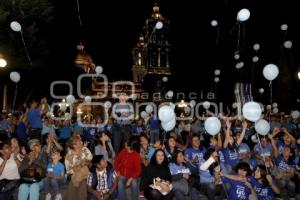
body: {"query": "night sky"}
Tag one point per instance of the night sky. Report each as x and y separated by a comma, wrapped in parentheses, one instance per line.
(111, 29)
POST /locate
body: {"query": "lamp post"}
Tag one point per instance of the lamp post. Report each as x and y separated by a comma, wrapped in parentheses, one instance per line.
(299, 75)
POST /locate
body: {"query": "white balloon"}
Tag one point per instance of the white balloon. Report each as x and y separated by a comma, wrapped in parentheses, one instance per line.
(274, 105)
(88, 99)
(172, 105)
(192, 103)
(212, 125)
(15, 76)
(243, 15)
(270, 72)
(275, 110)
(255, 59)
(288, 44)
(167, 126)
(269, 107)
(236, 56)
(144, 115)
(239, 65)
(107, 104)
(284, 27)
(261, 90)
(15, 26)
(63, 107)
(133, 96)
(295, 114)
(234, 105)
(187, 110)
(159, 25)
(262, 127)
(99, 70)
(149, 109)
(217, 79)
(206, 105)
(70, 99)
(252, 111)
(256, 47)
(214, 23)
(166, 114)
(165, 79)
(236, 91)
(170, 94)
(217, 72)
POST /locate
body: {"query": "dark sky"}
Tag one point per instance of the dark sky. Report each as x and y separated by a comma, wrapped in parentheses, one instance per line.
(111, 29)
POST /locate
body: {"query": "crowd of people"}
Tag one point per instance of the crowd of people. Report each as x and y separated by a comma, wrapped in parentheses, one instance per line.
(127, 159)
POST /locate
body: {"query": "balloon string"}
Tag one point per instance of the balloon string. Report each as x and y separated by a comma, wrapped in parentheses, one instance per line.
(16, 91)
(78, 10)
(26, 49)
(271, 92)
(239, 37)
(264, 159)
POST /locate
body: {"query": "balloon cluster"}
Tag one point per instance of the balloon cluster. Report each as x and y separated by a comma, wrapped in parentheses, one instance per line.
(167, 117)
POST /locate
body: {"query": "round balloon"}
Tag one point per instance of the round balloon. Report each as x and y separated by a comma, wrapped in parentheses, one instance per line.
(168, 126)
(165, 79)
(149, 109)
(217, 72)
(70, 99)
(170, 94)
(256, 47)
(261, 90)
(243, 15)
(217, 79)
(206, 105)
(262, 127)
(99, 70)
(274, 105)
(275, 110)
(192, 103)
(159, 25)
(63, 107)
(144, 115)
(269, 107)
(212, 125)
(284, 27)
(237, 56)
(166, 114)
(187, 110)
(15, 76)
(214, 23)
(234, 105)
(88, 99)
(295, 114)
(15, 26)
(270, 72)
(3, 62)
(252, 111)
(288, 44)
(107, 104)
(255, 59)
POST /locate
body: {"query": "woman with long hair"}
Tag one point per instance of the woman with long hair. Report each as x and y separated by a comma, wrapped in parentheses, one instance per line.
(157, 169)
(105, 148)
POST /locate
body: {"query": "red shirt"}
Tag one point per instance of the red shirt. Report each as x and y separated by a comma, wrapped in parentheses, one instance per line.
(128, 164)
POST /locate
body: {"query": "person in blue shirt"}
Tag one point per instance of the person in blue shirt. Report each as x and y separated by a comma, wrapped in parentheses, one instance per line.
(65, 131)
(33, 115)
(262, 150)
(195, 153)
(240, 188)
(181, 174)
(55, 177)
(284, 169)
(231, 144)
(263, 184)
(139, 128)
(153, 123)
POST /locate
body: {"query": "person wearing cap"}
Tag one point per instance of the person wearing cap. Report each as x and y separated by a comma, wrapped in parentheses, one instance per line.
(35, 161)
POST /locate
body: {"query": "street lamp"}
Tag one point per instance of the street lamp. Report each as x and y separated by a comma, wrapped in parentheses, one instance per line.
(299, 75)
(3, 63)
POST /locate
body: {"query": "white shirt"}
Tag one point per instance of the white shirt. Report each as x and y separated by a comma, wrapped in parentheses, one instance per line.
(10, 170)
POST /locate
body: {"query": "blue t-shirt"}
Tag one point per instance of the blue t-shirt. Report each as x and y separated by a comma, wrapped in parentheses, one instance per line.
(192, 153)
(178, 169)
(34, 118)
(65, 132)
(231, 156)
(263, 151)
(57, 169)
(284, 165)
(153, 123)
(238, 190)
(21, 131)
(138, 129)
(243, 148)
(263, 191)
